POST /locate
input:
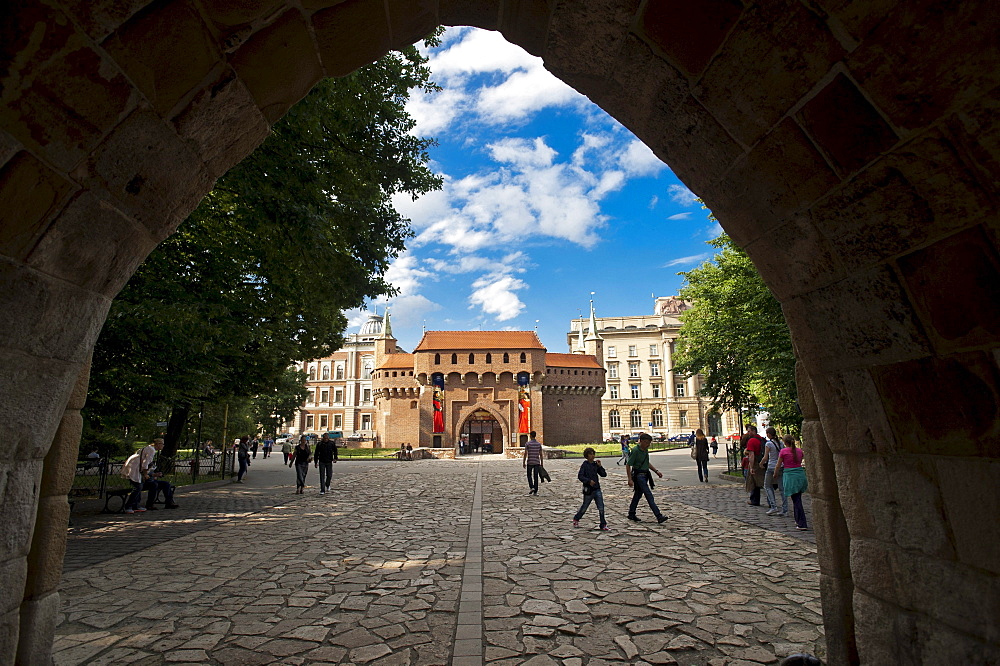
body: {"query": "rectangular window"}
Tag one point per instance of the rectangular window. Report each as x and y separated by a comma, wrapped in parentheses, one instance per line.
(338, 397)
(366, 421)
(368, 395)
(683, 417)
(654, 350)
(324, 397)
(612, 371)
(656, 390)
(309, 422)
(633, 369)
(657, 418)
(635, 391)
(323, 421)
(632, 351)
(679, 389)
(338, 421)
(654, 368)
(611, 352)
(613, 391)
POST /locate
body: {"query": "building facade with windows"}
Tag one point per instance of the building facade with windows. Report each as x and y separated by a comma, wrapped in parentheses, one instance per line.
(643, 394)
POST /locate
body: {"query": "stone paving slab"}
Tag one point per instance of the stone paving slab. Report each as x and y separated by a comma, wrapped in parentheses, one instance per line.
(385, 570)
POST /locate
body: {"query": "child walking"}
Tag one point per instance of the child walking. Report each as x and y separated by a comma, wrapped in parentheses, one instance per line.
(590, 475)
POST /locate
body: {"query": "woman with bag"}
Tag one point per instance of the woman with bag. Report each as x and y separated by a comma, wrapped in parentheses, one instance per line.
(793, 478)
(301, 457)
(700, 454)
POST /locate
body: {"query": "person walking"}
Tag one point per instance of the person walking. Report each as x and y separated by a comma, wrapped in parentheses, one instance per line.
(637, 471)
(701, 454)
(590, 472)
(532, 462)
(286, 448)
(772, 479)
(326, 455)
(243, 457)
(254, 443)
(715, 447)
(301, 457)
(625, 451)
(793, 478)
(755, 475)
(268, 445)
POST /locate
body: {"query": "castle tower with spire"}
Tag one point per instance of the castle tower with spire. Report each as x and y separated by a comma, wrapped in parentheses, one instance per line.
(593, 344)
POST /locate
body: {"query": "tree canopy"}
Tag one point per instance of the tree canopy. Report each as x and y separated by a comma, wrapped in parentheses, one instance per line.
(735, 335)
(260, 274)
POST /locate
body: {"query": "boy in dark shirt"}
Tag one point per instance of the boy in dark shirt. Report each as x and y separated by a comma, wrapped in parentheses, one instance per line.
(325, 455)
(589, 475)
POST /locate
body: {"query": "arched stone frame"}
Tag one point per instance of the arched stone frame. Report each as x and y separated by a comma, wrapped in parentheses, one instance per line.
(875, 236)
(469, 410)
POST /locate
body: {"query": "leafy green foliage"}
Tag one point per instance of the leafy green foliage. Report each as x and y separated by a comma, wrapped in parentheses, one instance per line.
(735, 335)
(259, 275)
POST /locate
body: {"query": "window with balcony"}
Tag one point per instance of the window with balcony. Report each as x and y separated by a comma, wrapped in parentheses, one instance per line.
(657, 418)
(635, 418)
(635, 391)
(633, 369)
(614, 419)
(613, 391)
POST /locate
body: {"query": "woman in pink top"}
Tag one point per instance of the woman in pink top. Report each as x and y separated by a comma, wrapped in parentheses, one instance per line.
(793, 478)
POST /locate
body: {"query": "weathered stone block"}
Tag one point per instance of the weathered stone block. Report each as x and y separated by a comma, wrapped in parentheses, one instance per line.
(410, 20)
(860, 320)
(13, 573)
(31, 414)
(581, 39)
(30, 193)
(838, 619)
(9, 623)
(78, 395)
(48, 547)
(820, 467)
(872, 568)
(806, 260)
(858, 17)
(526, 23)
(150, 172)
(807, 399)
(60, 460)
(38, 629)
(351, 34)
(278, 65)
(878, 626)
(92, 243)
(866, 500)
(223, 123)
(976, 130)
(921, 526)
(484, 14)
(688, 33)
(936, 643)
(782, 48)
(166, 51)
(73, 100)
(846, 126)
(19, 484)
(8, 148)
(834, 548)
(966, 264)
(970, 511)
(31, 34)
(225, 14)
(955, 414)
(99, 18)
(958, 53)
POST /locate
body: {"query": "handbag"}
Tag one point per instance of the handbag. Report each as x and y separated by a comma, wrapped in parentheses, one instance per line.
(543, 474)
(694, 454)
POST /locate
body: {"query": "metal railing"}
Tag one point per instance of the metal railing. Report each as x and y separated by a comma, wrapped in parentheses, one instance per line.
(95, 477)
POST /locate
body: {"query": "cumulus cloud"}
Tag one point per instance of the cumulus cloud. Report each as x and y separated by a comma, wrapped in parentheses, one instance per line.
(682, 195)
(685, 261)
(639, 160)
(496, 295)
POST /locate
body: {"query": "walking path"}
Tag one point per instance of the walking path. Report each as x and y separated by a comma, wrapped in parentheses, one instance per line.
(441, 562)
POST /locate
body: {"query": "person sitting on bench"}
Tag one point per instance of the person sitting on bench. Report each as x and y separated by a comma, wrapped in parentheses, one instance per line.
(153, 482)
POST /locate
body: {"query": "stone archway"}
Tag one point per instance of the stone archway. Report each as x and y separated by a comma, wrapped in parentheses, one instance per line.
(852, 148)
(467, 413)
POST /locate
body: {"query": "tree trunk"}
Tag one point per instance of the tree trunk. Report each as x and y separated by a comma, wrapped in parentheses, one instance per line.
(175, 429)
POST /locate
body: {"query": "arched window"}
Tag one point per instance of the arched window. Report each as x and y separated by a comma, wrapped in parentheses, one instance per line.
(635, 419)
(393, 373)
(614, 419)
(506, 357)
(366, 370)
(657, 418)
(437, 359)
(339, 372)
(312, 373)
(326, 372)
(489, 358)
(454, 359)
(524, 357)
(472, 359)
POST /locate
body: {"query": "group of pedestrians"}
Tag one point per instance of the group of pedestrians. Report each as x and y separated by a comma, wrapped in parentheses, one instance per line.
(776, 466)
(323, 459)
(141, 470)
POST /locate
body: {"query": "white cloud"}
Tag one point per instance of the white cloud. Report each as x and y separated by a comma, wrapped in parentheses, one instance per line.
(682, 195)
(683, 261)
(639, 160)
(652, 204)
(522, 152)
(679, 216)
(411, 310)
(495, 294)
(714, 230)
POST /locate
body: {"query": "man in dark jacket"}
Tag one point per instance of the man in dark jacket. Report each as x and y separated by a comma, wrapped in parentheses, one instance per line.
(590, 475)
(324, 456)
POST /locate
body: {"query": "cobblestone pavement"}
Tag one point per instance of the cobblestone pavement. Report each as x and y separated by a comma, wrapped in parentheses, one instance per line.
(436, 562)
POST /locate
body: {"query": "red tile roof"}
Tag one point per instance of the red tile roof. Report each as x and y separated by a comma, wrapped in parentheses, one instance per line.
(460, 340)
(571, 361)
(397, 361)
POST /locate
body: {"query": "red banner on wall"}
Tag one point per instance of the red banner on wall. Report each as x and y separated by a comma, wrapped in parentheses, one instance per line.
(523, 405)
(438, 381)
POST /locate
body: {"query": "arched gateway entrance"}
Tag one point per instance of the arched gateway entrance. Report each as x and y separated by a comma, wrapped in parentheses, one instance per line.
(851, 147)
(480, 433)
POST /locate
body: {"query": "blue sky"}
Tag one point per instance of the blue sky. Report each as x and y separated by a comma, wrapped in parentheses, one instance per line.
(546, 199)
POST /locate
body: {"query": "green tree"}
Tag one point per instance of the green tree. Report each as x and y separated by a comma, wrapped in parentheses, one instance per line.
(259, 275)
(274, 407)
(736, 337)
